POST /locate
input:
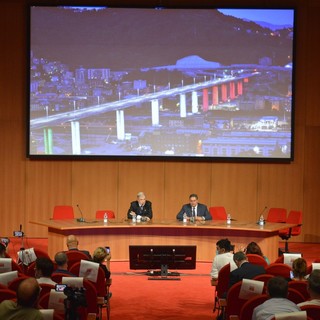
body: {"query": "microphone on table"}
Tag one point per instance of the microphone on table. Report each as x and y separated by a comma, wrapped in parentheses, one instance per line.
(261, 219)
(82, 218)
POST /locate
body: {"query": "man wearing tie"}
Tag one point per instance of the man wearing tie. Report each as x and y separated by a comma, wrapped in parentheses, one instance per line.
(194, 210)
(141, 208)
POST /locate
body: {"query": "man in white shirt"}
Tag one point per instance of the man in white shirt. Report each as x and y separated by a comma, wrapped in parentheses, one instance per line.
(278, 302)
(313, 288)
(223, 257)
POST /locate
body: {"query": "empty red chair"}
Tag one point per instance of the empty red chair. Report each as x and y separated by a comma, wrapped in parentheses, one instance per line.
(218, 213)
(221, 289)
(7, 294)
(248, 307)
(301, 286)
(295, 296)
(100, 214)
(63, 212)
(294, 217)
(313, 311)
(277, 215)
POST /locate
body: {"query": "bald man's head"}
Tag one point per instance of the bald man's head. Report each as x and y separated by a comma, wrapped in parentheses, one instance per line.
(72, 242)
(28, 293)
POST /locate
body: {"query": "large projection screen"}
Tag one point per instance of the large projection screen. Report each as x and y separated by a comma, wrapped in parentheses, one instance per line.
(177, 83)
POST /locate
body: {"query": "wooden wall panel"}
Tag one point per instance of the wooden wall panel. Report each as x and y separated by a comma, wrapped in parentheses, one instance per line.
(47, 183)
(182, 179)
(94, 187)
(136, 176)
(235, 187)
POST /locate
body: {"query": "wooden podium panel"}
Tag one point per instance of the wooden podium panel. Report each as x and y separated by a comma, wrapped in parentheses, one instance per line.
(118, 235)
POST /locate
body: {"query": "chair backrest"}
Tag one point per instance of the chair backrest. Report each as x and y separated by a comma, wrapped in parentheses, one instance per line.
(265, 278)
(7, 294)
(295, 296)
(313, 311)
(295, 216)
(62, 212)
(100, 284)
(100, 214)
(298, 315)
(75, 256)
(14, 284)
(279, 269)
(256, 259)
(248, 307)
(223, 281)
(218, 213)
(301, 286)
(234, 303)
(57, 276)
(277, 215)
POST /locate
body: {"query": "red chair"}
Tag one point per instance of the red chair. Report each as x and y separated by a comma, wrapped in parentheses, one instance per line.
(218, 213)
(265, 279)
(57, 276)
(221, 289)
(313, 311)
(75, 256)
(234, 303)
(14, 265)
(295, 217)
(43, 303)
(63, 212)
(301, 286)
(102, 286)
(248, 307)
(310, 268)
(256, 259)
(295, 296)
(14, 284)
(279, 269)
(100, 214)
(277, 215)
(7, 294)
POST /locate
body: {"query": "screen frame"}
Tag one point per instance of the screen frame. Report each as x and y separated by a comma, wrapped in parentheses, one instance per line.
(143, 5)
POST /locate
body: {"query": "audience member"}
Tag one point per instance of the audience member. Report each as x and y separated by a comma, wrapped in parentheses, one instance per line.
(100, 255)
(299, 269)
(253, 248)
(194, 209)
(25, 306)
(223, 257)
(73, 243)
(277, 303)
(313, 288)
(3, 249)
(43, 270)
(141, 208)
(245, 270)
(61, 259)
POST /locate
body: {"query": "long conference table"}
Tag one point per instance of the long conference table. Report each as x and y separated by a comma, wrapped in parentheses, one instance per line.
(118, 235)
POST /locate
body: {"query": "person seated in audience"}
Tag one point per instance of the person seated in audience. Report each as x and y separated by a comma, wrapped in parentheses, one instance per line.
(245, 270)
(61, 259)
(223, 257)
(278, 302)
(100, 255)
(25, 306)
(194, 209)
(141, 208)
(254, 248)
(313, 289)
(3, 249)
(43, 270)
(73, 243)
(299, 269)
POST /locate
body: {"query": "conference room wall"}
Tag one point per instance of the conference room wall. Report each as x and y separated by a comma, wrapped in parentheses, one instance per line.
(30, 188)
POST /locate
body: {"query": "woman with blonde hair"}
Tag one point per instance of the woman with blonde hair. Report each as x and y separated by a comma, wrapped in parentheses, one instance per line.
(100, 255)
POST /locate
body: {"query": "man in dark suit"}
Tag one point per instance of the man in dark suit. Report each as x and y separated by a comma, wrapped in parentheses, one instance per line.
(73, 243)
(194, 210)
(245, 270)
(141, 208)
